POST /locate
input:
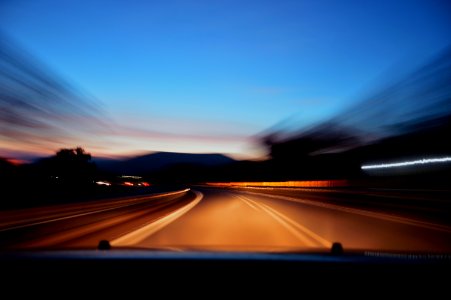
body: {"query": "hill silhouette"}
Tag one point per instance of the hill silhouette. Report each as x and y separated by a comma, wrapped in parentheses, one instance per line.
(155, 162)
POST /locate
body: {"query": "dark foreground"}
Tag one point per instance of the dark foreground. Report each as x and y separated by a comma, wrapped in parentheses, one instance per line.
(232, 238)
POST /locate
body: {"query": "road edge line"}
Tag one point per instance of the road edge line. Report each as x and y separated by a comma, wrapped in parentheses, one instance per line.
(146, 231)
(362, 212)
(160, 195)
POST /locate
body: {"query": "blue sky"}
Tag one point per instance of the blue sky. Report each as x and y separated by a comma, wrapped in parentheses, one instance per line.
(207, 76)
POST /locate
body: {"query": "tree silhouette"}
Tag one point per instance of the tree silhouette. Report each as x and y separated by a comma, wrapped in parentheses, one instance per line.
(70, 167)
(75, 156)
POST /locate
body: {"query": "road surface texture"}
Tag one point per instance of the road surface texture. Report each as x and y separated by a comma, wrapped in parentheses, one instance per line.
(218, 219)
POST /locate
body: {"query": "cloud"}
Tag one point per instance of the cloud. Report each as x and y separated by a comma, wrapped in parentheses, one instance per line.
(141, 133)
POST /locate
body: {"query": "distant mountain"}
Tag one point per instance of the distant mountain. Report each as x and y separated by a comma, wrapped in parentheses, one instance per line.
(161, 160)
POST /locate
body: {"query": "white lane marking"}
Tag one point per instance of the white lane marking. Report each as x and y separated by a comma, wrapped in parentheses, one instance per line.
(247, 202)
(283, 220)
(91, 212)
(295, 228)
(288, 224)
(146, 231)
(318, 239)
(306, 241)
(366, 213)
(67, 211)
(304, 229)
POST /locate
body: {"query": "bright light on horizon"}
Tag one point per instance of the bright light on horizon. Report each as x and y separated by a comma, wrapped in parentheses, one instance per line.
(408, 163)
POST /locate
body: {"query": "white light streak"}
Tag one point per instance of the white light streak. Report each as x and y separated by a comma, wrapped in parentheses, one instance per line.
(408, 163)
(103, 183)
(130, 176)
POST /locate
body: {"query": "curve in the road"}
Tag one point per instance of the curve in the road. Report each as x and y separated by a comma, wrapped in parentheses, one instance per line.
(29, 222)
(146, 231)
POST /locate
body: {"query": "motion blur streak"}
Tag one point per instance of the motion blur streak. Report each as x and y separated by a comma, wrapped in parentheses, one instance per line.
(36, 216)
(39, 110)
(408, 163)
(310, 183)
(84, 224)
(402, 119)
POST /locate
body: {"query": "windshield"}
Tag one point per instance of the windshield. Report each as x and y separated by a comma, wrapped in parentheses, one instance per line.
(230, 126)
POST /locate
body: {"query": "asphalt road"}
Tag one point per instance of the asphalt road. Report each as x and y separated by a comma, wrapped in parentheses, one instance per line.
(223, 220)
(83, 225)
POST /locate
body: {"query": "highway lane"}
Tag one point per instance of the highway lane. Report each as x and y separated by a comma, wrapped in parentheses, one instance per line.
(219, 219)
(235, 220)
(431, 205)
(14, 219)
(82, 225)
